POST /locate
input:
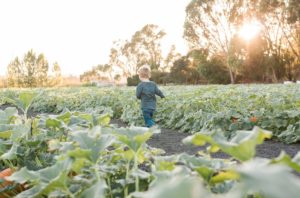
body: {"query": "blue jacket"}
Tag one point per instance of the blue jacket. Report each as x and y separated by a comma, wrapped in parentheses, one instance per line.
(146, 92)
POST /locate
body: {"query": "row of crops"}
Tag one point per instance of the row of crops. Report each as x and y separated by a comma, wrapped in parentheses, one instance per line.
(79, 154)
(188, 108)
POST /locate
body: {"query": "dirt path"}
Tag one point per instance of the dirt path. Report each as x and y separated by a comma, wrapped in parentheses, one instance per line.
(171, 142)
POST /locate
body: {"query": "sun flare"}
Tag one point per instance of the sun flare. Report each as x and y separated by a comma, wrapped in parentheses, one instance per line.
(249, 30)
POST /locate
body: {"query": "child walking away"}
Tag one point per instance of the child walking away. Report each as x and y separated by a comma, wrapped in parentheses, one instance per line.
(146, 91)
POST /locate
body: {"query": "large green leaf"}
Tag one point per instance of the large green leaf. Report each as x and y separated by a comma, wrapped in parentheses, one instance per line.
(80, 156)
(88, 117)
(177, 186)
(11, 154)
(134, 137)
(207, 167)
(269, 180)
(7, 115)
(53, 123)
(165, 163)
(242, 146)
(65, 117)
(5, 134)
(95, 191)
(193, 162)
(44, 189)
(24, 100)
(21, 131)
(94, 143)
(6, 127)
(224, 176)
(286, 159)
(296, 158)
(24, 175)
(49, 180)
(52, 172)
(103, 120)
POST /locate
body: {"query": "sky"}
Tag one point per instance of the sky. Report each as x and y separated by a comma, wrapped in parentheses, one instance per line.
(78, 34)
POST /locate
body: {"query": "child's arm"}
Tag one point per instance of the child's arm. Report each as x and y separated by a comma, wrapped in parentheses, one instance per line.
(139, 92)
(159, 92)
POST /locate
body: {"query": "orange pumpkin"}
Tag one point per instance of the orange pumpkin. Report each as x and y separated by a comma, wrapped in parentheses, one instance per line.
(253, 119)
(5, 173)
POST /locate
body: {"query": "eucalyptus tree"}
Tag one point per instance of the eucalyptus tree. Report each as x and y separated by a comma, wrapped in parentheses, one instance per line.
(31, 71)
(281, 29)
(210, 69)
(212, 24)
(56, 79)
(117, 58)
(216, 24)
(88, 76)
(184, 72)
(14, 73)
(144, 47)
(169, 60)
(41, 70)
(98, 72)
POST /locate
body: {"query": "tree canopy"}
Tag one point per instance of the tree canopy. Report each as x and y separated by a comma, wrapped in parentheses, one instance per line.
(32, 71)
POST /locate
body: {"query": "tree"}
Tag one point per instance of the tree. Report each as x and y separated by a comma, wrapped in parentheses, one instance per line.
(14, 73)
(143, 48)
(3, 82)
(108, 69)
(280, 21)
(211, 24)
(211, 69)
(183, 71)
(41, 72)
(117, 59)
(56, 79)
(215, 24)
(99, 72)
(171, 57)
(32, 71)
(255, 64)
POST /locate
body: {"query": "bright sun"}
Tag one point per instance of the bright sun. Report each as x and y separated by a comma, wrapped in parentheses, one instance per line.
(249, 30)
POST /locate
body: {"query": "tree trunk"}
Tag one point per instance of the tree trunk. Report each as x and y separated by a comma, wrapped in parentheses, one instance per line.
(274, 76)
(232, 79)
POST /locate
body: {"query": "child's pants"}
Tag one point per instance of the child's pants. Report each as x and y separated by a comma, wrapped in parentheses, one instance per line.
(148, 117)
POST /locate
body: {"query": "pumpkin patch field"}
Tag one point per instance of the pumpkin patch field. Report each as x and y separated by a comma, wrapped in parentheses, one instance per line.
(90, 142)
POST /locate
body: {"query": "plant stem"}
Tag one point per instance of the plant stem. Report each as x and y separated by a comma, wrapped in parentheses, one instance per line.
(68, 192)
(96, 172)
(126, 179)
(8, 163)
(137, 185)
(109, 185)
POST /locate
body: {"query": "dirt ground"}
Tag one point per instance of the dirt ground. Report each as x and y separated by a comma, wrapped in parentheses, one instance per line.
(170, 141)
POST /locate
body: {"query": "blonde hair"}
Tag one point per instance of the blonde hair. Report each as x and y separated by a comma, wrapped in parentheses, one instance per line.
(144, 71)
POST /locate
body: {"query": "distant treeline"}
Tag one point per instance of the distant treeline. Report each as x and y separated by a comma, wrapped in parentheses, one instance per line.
(219, 52)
